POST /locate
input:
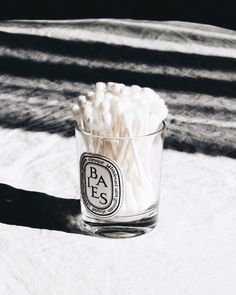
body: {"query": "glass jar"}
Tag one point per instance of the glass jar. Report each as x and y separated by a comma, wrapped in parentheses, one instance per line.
(119, 181)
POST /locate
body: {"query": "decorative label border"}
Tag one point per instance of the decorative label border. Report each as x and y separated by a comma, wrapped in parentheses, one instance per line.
(116, 180)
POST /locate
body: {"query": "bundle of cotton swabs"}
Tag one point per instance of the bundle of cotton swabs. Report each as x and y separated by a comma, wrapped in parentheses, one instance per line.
(115, 111)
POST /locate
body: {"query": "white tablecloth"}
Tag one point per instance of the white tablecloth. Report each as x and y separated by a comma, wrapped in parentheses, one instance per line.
(192, 250)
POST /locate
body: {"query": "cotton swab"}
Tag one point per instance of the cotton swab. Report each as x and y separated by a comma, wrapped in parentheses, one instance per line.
(99, 93)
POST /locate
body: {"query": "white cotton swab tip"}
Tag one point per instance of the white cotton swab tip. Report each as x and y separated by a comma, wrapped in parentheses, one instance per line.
(75, 109)
(100, 86)
(148, 90)
(88, 110)
(90, 95)
(135, 88)
(105, 106)
(82, 100)
(117, 88)
(125, 91)
(99, 93)
(107, 120)
(110, 85)
(121, 107)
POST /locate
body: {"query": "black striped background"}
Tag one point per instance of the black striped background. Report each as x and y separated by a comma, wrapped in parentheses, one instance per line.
(45, 64)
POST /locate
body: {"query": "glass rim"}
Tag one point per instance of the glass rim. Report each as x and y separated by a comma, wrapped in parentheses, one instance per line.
(160, 130)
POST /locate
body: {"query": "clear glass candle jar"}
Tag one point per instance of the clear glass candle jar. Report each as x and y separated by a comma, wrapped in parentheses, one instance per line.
(119, 181)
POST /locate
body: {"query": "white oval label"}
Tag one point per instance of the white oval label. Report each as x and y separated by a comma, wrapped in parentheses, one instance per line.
(101, 184)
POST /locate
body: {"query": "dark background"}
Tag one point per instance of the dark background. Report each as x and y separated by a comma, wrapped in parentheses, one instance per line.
(220, 13)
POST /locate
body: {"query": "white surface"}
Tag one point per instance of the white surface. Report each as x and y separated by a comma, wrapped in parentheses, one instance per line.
(192, 251)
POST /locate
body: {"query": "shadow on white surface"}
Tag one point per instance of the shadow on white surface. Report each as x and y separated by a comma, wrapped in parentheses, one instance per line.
(39, 210)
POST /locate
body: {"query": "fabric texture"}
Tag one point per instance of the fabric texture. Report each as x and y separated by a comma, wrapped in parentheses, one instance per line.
(45, 64)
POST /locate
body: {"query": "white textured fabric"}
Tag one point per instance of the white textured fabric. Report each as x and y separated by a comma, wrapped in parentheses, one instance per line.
(192, 250)
(44, 65)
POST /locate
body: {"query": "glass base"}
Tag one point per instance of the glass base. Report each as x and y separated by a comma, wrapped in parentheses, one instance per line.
(123, 227)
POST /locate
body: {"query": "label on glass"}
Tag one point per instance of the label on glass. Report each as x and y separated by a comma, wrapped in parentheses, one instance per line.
(101, 185)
